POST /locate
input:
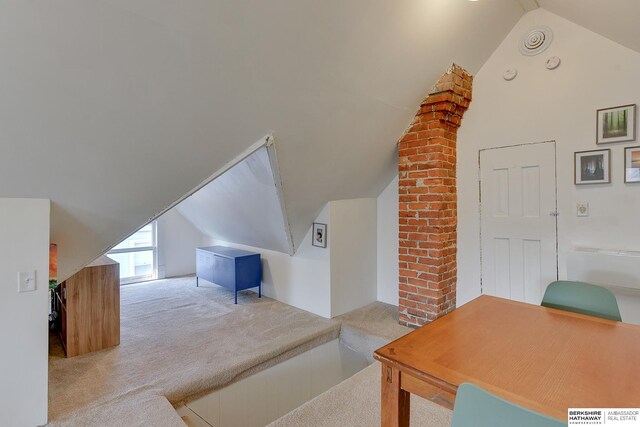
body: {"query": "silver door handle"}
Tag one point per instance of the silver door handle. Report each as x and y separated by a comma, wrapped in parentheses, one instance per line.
(554, 213)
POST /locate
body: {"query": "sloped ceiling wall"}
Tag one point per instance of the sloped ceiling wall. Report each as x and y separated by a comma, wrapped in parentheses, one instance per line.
(240, 206)
(616, 20)
(114, 109)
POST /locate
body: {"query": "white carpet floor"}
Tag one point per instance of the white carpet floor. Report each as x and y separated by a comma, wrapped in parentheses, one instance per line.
(180, 342)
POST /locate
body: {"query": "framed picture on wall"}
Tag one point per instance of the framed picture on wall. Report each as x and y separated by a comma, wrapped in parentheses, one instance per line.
(592, 167)
(632, 164)
(616, 124)
(319, 237)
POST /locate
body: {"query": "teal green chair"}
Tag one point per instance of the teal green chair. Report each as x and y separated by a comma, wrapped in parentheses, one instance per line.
(583, 298)
(475, 407)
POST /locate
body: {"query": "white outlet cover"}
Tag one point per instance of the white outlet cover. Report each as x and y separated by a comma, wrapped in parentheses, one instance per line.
(582, 209)
(27, 281)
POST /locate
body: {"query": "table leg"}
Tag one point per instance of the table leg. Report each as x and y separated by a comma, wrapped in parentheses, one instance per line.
(395, 400)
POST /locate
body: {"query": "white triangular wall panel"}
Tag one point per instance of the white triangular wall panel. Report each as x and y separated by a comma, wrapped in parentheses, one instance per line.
(241, 206)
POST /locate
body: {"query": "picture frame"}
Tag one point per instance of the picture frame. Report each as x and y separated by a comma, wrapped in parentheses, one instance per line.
(616, 124)
(632, 164)
(592, 167)
(319, 235)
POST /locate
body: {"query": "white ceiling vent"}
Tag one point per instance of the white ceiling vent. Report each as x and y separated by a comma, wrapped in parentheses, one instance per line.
(536, 41)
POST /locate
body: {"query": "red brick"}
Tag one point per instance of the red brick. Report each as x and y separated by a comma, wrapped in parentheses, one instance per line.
(417, 282)
(409, 137)
(407, 303)
(407, 273)
(408, 288)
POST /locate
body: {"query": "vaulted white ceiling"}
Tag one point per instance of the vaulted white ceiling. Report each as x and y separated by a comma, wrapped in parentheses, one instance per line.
(114, 109)
(616, 20)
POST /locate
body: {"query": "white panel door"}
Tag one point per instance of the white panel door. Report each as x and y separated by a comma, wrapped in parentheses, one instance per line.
(518, 221)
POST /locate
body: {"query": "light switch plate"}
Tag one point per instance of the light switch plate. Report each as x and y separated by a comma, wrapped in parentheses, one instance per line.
(27, 281)
(582, 209)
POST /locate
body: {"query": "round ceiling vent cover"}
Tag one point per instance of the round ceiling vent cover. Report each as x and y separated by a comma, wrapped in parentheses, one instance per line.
(536, 41)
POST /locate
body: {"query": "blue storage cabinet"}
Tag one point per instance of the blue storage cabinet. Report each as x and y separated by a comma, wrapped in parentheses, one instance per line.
(232, 268)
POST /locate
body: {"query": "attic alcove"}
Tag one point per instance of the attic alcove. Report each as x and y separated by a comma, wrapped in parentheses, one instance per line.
(243, 205)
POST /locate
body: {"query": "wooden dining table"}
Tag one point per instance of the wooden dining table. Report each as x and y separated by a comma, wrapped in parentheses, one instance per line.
(541, 358)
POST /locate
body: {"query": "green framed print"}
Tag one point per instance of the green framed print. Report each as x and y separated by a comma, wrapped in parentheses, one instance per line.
(616, 124)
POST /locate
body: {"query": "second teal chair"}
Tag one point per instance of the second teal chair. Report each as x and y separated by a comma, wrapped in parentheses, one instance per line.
(583, 298)
(475, 407)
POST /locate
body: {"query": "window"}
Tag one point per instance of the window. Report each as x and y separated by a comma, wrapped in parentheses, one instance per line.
(137, 255)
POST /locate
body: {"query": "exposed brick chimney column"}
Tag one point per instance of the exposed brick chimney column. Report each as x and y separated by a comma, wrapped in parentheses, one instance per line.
(428, 205)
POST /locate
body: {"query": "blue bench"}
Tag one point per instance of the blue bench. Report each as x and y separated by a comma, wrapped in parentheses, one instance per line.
(231, 268)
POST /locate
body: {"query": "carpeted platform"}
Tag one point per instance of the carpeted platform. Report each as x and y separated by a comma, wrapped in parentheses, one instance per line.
(355, 402)
(368, 328)
(177, 341)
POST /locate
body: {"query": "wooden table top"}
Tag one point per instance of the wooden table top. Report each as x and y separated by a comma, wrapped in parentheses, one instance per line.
(541, 358)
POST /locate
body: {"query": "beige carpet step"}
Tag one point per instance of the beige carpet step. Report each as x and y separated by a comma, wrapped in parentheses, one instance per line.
(139, 409)
(371, 327)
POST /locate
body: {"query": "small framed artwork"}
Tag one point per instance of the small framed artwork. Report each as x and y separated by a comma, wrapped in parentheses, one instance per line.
(632, 164)
(319, 237)
(616, 124)
(592, 167)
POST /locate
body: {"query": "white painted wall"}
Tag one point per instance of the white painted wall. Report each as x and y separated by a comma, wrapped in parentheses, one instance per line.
(620, 272)
(24, 233)
(387, 242)
(558, 105)
(326, 281)
(352, 236)
(302, 280)
(177, 243)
